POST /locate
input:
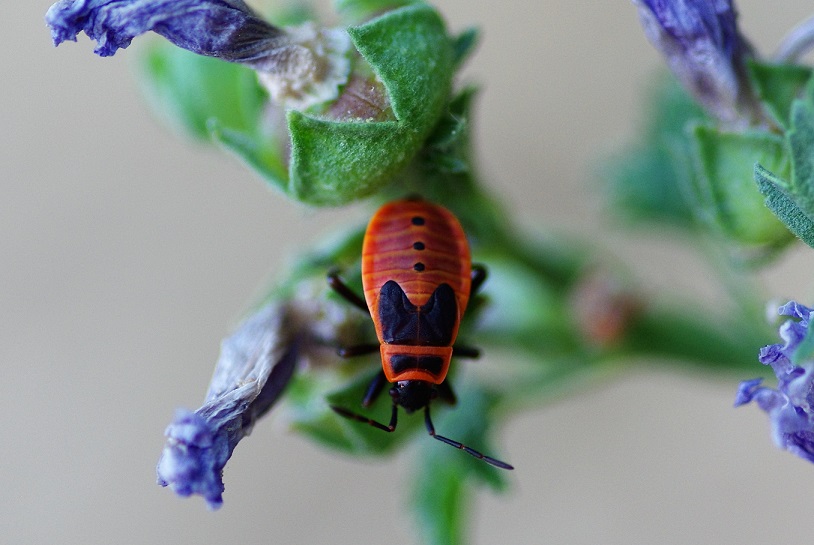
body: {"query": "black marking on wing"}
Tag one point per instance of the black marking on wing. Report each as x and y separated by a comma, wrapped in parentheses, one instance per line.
(431, 324)
(406, 362)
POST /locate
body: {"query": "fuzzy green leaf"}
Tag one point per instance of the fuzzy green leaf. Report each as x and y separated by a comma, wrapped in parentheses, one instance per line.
(793, 201)
(331, 162)
(336, 162)
(777, 86)
(781, 202)
(411, 53)
(726, 192)
(801, 144)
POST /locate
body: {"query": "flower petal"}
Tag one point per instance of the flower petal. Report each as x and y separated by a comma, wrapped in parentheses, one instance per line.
(228, 29)
(746, 391)
(791, 406)
(702, 45)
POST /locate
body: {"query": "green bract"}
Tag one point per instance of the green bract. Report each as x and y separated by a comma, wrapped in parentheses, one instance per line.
(777, 86)
(726, 195)
(329, 162)
(645, 182)
(790, 193)
(690, 172)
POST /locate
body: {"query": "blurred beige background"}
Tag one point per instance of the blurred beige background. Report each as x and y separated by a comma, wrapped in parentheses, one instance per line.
(128, 253)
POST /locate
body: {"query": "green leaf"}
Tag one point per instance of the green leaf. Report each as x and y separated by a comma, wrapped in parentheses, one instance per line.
(464, 45)
(443, 484)
(411, 53)
(190, 91)
(336, 162)
(711, 343)
(793, 201)
(524, 311)
(801, 143)
(261, 154)
(777, 86)
(441, 504)
(725, 189)
(782, 204)
(645, 183)
(308, 411)
(209, 99)
(331, 162)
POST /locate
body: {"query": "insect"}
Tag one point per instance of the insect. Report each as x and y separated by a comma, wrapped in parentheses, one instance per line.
(417, 278)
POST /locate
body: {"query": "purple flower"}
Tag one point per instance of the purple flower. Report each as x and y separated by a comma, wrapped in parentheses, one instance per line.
(255, 365)
(791, 406)
(218, 28)
(300, 66)
(703, 47)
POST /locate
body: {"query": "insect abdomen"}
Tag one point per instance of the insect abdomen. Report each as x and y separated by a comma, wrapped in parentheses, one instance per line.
(418, 245)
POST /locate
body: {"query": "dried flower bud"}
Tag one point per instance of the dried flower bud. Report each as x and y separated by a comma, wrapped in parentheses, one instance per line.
(300, 66)
(704, 49)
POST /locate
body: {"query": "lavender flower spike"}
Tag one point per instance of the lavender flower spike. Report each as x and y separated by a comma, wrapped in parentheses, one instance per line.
(254, 367)
(702, 45)
(300, 66)
(791, 406)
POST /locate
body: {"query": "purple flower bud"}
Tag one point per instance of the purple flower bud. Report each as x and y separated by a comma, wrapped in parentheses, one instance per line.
(791, 406)
(299, 66)
(704, 49)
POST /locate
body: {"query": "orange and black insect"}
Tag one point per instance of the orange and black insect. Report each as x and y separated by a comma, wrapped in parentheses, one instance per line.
(417, 278)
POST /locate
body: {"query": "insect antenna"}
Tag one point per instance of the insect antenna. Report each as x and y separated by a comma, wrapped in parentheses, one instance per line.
(341, 411)
(458, 445)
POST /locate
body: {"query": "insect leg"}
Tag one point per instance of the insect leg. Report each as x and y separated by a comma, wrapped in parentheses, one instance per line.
(446, 394)
(336, 283)
(374, 389)
(464, 351)
(357, 350)
(341, 411)
(456, 444)
(478, 276)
